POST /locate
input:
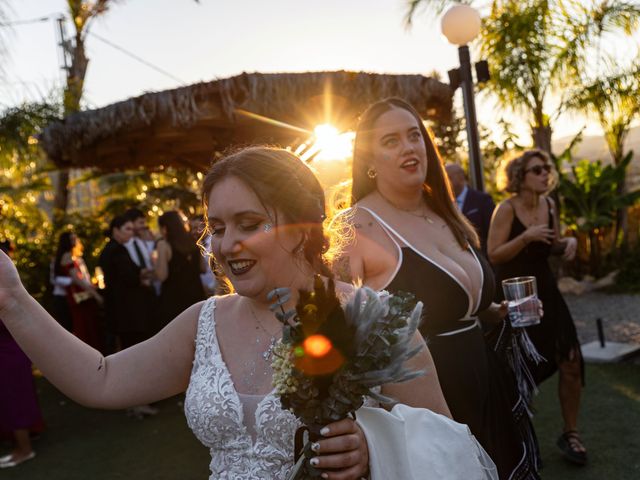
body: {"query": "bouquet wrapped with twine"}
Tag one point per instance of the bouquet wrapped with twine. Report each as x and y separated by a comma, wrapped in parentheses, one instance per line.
(331, 357)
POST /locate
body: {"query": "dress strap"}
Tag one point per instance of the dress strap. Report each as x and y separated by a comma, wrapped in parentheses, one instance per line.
(474, 323)
(386, 227)
(479, 300)
(551, 212)
(392, 234)
(206, 335)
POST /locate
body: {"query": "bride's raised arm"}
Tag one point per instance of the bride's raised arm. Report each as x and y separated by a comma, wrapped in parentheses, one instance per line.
(147, 372)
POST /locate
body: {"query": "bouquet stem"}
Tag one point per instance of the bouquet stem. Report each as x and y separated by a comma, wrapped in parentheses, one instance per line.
(303, 470)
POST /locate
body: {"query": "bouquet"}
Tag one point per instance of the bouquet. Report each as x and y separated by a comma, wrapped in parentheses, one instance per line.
(331, 357)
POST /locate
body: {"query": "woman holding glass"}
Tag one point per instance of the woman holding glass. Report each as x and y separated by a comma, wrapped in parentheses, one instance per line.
(409, 236)
(524, 232)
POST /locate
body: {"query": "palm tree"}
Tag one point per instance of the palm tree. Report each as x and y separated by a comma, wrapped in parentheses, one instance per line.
(82, 13)
(537, 47)
(590, 200)
(615, 102)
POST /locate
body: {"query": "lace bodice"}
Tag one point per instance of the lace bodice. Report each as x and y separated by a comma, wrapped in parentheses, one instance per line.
(215, 414)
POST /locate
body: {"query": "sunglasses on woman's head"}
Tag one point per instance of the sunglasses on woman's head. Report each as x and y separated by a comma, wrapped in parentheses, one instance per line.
(537, 169)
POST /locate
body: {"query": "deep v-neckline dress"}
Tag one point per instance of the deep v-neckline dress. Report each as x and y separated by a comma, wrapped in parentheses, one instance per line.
(477, 385)
(216, 414)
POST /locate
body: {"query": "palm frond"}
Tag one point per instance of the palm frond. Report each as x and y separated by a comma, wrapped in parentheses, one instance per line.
(433, 6)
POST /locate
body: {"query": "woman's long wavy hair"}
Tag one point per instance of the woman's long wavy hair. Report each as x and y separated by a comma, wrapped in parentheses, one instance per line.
(436, 188)
(282, 183)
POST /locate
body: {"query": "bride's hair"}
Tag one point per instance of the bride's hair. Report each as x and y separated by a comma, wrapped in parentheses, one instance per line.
(284, 184)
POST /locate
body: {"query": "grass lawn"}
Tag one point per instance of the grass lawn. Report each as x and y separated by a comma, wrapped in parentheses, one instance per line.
(82, 444)
(609, 425)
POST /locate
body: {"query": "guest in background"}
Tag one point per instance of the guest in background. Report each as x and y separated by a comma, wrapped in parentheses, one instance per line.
(20, 413)
(61, 310)
(82, 296)
(118, 234)
(203, 240)
(475, 205)
(178, 266)
(128, 299)
(141, 250)
(524, 232)
(142, 244)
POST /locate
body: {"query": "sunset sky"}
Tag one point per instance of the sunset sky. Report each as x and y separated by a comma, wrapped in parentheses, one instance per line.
(216, 39)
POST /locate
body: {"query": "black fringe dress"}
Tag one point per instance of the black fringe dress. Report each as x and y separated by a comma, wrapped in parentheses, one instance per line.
(478, 385)
(555, 336)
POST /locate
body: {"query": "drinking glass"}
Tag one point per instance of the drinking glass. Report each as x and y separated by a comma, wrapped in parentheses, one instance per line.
(521, 294)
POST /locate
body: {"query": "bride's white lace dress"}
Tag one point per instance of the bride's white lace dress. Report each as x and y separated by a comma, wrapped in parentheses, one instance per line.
(252, 449)
(251, 438)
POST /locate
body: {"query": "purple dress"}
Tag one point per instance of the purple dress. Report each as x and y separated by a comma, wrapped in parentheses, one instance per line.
(19, 407)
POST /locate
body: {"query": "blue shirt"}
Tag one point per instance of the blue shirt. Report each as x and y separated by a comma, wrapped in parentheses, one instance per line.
(462, 197)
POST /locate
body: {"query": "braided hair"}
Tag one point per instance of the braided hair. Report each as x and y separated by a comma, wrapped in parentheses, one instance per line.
(283, 183)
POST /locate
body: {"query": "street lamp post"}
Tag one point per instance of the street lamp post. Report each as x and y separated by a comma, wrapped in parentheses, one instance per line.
(461, 24)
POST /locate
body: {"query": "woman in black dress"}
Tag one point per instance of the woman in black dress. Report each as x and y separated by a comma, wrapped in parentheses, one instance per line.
(178, 267)
(523, 233)
(410, 237)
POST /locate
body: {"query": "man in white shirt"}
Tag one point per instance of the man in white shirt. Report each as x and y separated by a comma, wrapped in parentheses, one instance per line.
(140, 248)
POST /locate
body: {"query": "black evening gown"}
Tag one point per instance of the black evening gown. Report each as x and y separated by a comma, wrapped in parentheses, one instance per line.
(477, 383)
(182, 288)
(555, 336)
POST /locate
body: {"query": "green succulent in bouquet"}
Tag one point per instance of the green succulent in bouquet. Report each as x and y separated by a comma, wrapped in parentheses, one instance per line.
(332, 356)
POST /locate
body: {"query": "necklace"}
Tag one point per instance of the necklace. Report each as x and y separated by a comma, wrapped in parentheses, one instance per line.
(531, 214)
(423, 215)
(266, 355)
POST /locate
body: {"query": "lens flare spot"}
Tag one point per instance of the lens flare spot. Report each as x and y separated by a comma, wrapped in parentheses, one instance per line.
(317, 346)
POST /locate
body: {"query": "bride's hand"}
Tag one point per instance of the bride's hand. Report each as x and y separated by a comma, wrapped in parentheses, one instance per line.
(343, 451)
(9, 281)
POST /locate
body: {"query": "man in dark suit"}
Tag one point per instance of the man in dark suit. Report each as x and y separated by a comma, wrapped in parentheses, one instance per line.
(128, 299)
(476, 206)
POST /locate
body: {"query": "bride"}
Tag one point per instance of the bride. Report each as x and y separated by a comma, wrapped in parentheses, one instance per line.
(265, 211)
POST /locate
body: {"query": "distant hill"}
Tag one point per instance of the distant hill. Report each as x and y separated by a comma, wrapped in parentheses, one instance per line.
(595, 148)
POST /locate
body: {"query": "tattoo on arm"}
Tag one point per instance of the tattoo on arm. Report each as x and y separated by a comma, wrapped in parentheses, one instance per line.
(342, 270)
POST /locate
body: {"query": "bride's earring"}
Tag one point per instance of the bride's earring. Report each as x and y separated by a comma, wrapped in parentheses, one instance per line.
(300, 248)
(267, 227)
(371, 173)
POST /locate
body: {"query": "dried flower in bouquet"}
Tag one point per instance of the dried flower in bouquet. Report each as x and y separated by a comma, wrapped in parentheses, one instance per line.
(331, 357)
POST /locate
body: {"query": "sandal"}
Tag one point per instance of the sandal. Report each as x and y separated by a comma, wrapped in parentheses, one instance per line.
(570, 442)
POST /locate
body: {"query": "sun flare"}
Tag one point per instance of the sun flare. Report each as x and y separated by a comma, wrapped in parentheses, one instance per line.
(331, 144)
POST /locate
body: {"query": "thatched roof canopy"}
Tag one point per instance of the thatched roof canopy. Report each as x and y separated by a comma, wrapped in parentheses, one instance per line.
(187, 126)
